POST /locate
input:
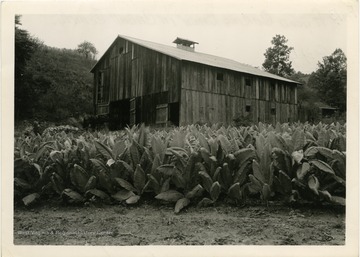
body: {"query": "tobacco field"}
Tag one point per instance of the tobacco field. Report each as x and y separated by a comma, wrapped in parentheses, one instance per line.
(189, 170)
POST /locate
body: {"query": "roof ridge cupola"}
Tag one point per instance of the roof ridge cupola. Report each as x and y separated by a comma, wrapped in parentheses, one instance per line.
(185, 44)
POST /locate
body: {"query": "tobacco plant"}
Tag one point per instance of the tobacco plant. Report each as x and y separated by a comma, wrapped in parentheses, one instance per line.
(190, 165)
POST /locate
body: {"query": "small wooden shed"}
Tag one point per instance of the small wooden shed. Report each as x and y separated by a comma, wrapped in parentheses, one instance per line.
(315, 111)
(139, 81)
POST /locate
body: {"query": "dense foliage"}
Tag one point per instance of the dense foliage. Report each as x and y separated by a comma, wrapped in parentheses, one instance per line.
(188, 165)
(25, 46)
(50, 82)
(277, 59)
(307, 98)
(330, 80)
(60, 74)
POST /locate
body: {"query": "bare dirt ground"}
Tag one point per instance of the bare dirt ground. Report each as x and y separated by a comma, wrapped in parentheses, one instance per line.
(154, 224)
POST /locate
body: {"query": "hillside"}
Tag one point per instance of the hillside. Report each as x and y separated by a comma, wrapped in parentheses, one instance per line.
(61, 83)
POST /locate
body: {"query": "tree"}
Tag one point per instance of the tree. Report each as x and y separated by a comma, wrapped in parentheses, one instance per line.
(87, 49)
(277, 57)
(305, 94)
(330, 80)
(25, 46)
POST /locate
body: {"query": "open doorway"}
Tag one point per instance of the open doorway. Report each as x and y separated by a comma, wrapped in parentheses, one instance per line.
(119, 114)
(174, 113)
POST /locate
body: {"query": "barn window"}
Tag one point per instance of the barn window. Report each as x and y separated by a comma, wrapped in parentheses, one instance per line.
(272, 91)
(273, 111)
(121, 50)
(248, 82)
(220, 76)
(248, 108)
(100, 87)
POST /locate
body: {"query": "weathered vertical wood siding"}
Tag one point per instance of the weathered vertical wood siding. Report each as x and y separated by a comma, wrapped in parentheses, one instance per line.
(132, 71)
(206, 98)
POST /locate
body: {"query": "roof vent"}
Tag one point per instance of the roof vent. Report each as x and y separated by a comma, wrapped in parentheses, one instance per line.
(185, 44)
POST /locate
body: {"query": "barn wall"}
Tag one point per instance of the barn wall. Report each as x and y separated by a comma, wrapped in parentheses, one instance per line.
(129, 72)
(208, 98)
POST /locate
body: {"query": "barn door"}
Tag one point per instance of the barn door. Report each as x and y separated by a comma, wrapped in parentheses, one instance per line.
(119, 114)
(162, 114)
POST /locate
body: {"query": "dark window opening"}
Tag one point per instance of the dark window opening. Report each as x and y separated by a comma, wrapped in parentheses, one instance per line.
(220, 76)
(272, 92)
(247, 108)
(248, 82)
(121, 50)
(273, 111)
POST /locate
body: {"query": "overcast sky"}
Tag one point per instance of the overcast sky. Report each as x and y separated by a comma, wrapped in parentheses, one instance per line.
(241, 36)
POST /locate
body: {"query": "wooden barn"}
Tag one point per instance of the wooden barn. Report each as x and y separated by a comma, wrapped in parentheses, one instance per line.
(140, 81)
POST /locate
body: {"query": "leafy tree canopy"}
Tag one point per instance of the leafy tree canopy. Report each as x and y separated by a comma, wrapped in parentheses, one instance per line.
(277, 57)
(330, 80)
(87, 49)
(50, 82)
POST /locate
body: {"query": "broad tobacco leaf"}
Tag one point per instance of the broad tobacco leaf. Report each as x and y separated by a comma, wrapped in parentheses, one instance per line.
(79, 177)
(170, 196)
(257, 172)
(314, 184)
(322, 166)
(181, 203)
(298, 156)
(30, 199)
(123, 183)
(139, 179)
(205, 202)
(122, 195)
(73, 196)
(215, 190)
(133, 199)
(197, 191)
(234, 191)
(98, 193)
(303, 170)
(91, 183)
(206, 179)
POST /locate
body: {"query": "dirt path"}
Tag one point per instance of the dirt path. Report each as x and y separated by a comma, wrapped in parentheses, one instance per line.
(152, 224)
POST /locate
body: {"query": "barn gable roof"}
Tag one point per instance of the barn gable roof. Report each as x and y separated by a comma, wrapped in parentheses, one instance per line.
(198, 57)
